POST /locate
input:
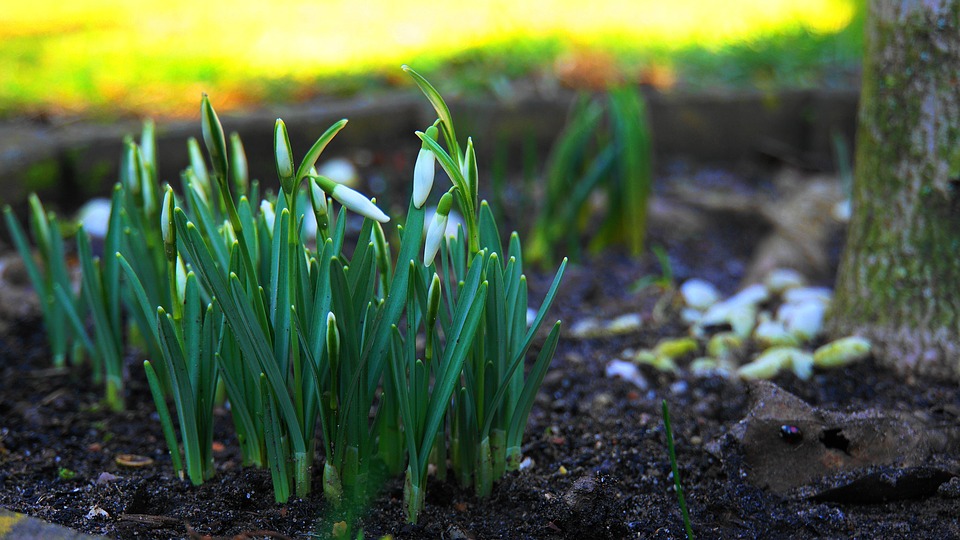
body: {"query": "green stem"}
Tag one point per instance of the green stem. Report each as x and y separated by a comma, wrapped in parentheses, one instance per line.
(676, 471)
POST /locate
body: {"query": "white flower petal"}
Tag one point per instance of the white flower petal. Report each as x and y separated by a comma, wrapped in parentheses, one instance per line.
(423, 175)
(357, 202)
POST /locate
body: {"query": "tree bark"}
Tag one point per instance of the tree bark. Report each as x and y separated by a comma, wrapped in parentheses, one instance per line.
(899, 278)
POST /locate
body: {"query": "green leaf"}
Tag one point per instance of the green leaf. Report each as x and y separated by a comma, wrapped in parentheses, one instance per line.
(519, 420)
(166, 423)
(213, 138)
(183, 395)
(313, 154)
(242, 319)
(489, 235)
(452, 168)
(443, 112)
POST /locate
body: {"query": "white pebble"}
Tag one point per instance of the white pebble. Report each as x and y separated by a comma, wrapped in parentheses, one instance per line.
(842, 211)
(770, 333)
(699, 294)
(624, 324)
(626, 371)
(842, 352)
(802, 365)
(740, 316)
(804, 320)
(771, 361)
(585, 328)
(96, 513)
(784, 279)
(753, 295)
(690, 316)
(807, 294)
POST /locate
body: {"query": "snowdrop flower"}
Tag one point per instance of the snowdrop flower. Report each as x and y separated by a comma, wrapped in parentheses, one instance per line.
(424, 170)
(318, 198)
(167, 230)
(94, 215)
(284, 157)
(266, 208)
(352, 200)
(437, 229)
(181, 274)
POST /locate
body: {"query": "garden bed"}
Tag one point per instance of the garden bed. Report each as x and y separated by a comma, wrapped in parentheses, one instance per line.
(598, 463)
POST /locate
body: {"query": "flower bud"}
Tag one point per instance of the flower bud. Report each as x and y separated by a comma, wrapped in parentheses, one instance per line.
(318, 198)
(213, 138)
(333, 339)
(424, 171)
(269, 217)
(181, 276)
(239, 171)
(469, 170)
(437, 229)
(131, 168)
(433, 301)
(199, 166)
(284, 157)
(167, 229)
(352, 200)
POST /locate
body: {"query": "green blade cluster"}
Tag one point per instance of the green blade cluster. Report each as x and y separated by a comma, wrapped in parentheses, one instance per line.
(605, 150)
(373, 358)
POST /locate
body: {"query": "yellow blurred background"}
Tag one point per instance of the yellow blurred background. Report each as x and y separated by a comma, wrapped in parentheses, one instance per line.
(115, 56)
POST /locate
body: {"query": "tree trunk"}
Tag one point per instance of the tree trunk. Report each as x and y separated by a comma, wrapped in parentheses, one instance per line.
(899, 278)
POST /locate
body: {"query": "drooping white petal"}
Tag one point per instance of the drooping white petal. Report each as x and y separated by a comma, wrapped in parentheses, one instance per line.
(357, 202)
(423, 175)
(435, 235)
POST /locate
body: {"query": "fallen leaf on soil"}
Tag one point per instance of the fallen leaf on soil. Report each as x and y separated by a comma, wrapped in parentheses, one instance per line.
(133, 460)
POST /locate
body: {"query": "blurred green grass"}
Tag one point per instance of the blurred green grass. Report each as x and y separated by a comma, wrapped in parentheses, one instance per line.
(112, 58)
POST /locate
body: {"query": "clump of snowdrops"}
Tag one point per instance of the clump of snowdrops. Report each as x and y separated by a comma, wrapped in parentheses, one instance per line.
(403, 355)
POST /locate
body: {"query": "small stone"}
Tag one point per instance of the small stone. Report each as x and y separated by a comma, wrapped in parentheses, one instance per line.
(657, 361)
(585, 328)
(699, 294)
(770, 333)
(527, 463)
(626, 371)
(780, 280)
(841, 352)
(842, 211)
(740, 317)
(676, 348)
(97, 513)
(951, 489)
(752, 295)
(769, 363)
(725, 345)
(625, 324)
(690, 316)
(803, 320)
(703, 366)
(804, 294)
(106, 478)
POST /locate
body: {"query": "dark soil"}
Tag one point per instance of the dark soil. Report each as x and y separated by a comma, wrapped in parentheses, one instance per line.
(600, 467)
